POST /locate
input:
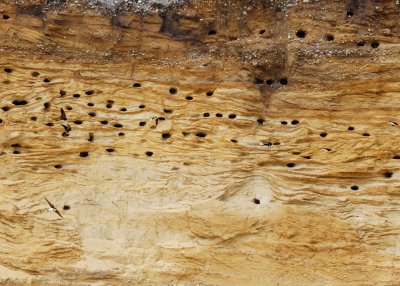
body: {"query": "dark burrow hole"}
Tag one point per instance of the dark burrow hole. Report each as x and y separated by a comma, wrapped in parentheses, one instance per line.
(295, 122)
(90, 104)
(6, 17)
(19, 102)
(260, 121)
(173, 90)
(84, 154)
(104, 122)
(212, 32)
(168, 110)
(166, 135)
(1, 120)
(258, 80)
(35, 74)
(232, 116)
(351, 128)
(110, 150)
(201, 134)
(8, 70)
(329, 37)
(149, 153)
(136, 84)
(58, 166)
(301, 34)
(374, 44)
(350, 13)
(50, 124)
(5, 108)
(397, 157)
(142, 106)
(218, 115)
(92, 114)
(388, 174)
(122, 109)
(323, 134)
(63, 93)
(76, 95)
(89, 92)
(267, 143)
(109, 105)
(209, 93)
(283, 81)
(142, 123)
(291, 165)
(269, 81)
(161, 118)
(118, 125)
(33, 118)
(189, 97)
(366, 134)
(79, 122)
(47, 105)
(46, 80)
(66, 207)
(121, 134)
(276, 143)
(307, 157)
(234, 141)
(262, 32)
(68, 107)
(283, 122)
(16, 145)
(256, 201)
(16, 152)
(354, 188)
(185, 133)
(360, 43)
(206, 114)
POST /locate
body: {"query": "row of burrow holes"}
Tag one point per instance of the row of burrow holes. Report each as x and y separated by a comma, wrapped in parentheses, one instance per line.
(165, 135)
(302, 34)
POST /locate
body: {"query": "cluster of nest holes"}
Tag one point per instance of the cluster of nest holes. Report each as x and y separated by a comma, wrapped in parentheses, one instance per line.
(293, 122)
(270, 82)
(301, 34)
(167, 135)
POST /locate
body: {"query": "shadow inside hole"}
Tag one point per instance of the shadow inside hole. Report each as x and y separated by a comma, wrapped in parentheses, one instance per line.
(166, 135)
(66, 207)
(84, 154)
(388, 174)
(256, 201)
(201, 134)
(19, 102)
(301, 34)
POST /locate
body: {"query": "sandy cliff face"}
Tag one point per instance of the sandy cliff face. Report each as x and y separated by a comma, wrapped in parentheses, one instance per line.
(274, 158)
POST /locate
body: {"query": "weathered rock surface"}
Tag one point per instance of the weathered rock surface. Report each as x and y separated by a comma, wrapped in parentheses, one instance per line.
(274, 160)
